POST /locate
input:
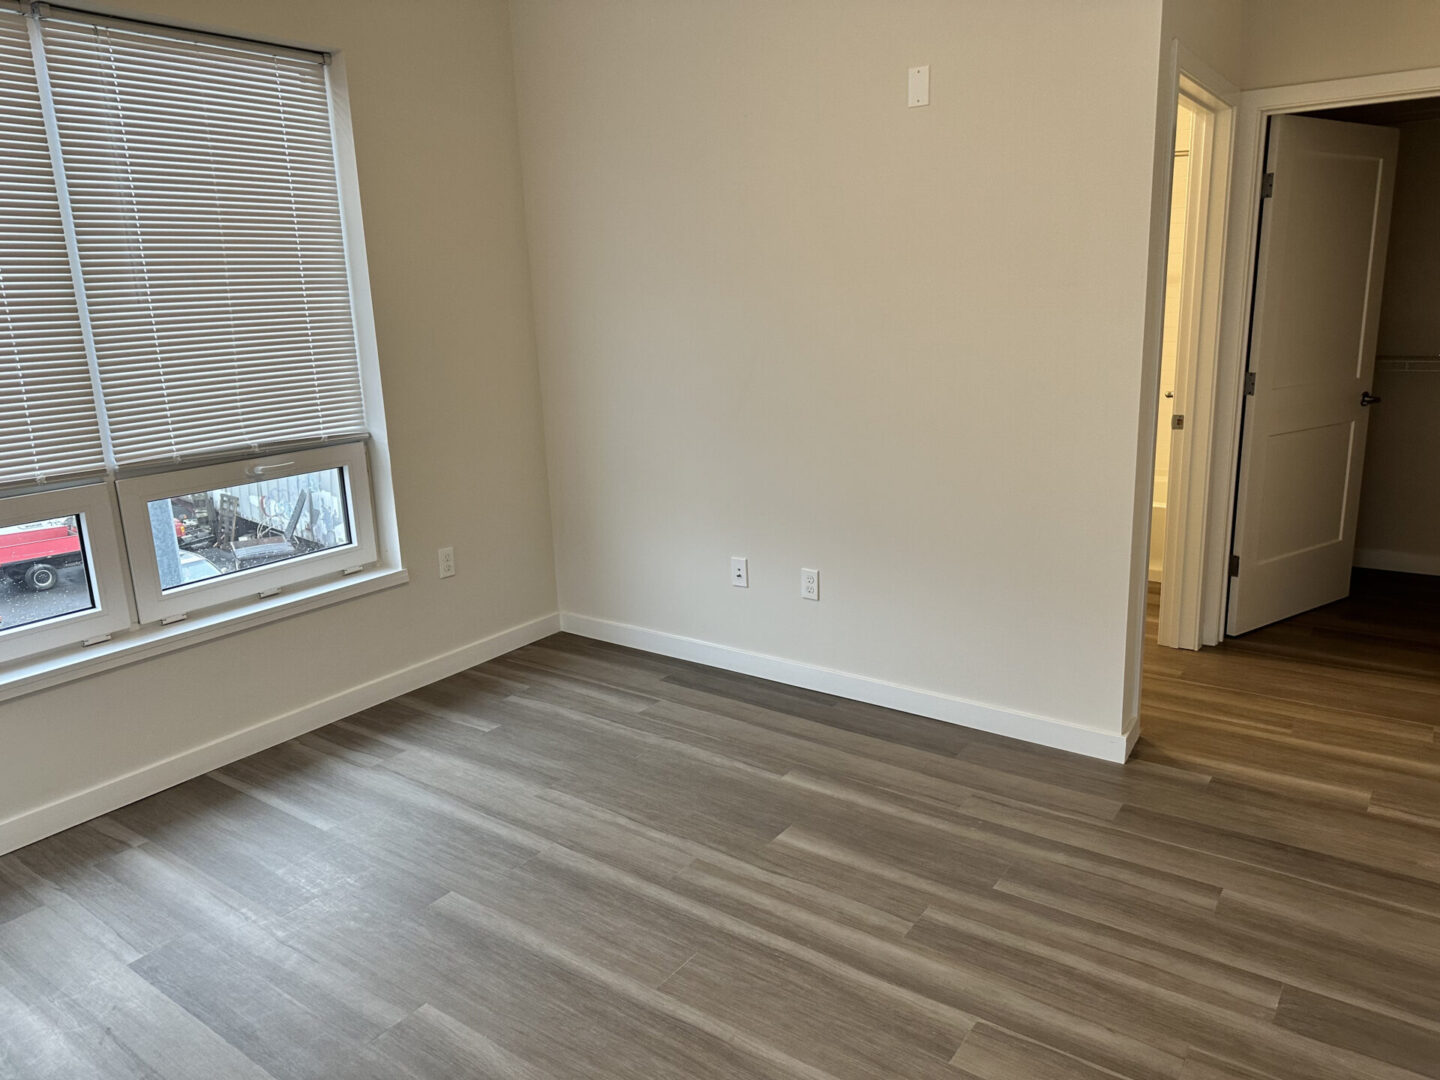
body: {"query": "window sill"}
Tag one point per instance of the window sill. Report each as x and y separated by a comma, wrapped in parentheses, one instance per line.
(57, 668)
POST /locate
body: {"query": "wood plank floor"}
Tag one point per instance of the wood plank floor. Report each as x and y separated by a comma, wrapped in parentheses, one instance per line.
(581, 861)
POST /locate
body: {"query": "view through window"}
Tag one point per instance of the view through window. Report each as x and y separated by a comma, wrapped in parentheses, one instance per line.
(42, 572)
(209, 534)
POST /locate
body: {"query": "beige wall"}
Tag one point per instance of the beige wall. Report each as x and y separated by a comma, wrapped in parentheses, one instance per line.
(783, 316)
(1294, 41)
(1212, 31)
(1399, 526)
(435, 138)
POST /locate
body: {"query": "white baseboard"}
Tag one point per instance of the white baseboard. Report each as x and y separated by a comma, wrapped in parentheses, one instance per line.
(31, 825)
(1060, 734)
(1404, 562)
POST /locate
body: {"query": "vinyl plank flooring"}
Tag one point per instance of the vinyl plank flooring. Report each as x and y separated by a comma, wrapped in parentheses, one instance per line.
(431, 1045)
(290, 1036)
(813, 1016)
(990, 1053)
(582, 861)
(1338, 1024)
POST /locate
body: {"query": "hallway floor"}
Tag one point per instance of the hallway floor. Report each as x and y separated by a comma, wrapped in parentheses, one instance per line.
(581, 861)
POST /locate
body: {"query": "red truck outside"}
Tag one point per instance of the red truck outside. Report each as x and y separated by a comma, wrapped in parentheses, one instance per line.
(33, 557)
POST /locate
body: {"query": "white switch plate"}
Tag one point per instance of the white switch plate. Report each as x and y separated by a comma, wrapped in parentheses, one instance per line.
(920, 86)
(810, 584)
(447, 562)
(740, 571)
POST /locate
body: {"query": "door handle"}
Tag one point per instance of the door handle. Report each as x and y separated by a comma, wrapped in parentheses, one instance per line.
(1367, 399)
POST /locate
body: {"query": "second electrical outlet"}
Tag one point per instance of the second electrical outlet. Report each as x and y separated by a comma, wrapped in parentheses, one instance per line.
(810, 584)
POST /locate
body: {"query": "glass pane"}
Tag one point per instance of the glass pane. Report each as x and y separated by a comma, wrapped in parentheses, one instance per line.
(42, 572)
(209, 534)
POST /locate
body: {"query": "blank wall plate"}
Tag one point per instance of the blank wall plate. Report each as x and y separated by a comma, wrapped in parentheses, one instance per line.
(919, 86)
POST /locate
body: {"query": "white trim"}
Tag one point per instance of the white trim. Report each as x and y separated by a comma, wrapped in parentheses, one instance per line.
(362, 311)
(31, 825)
(1256, 107)
(1044, 730)
(56, 668)
(1402, 562)
(1162, 179)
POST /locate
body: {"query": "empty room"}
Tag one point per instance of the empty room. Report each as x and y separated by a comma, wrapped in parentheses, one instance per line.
(826, 539)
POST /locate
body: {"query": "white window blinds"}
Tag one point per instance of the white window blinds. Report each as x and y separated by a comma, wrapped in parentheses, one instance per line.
(48, 424)
(203, 189)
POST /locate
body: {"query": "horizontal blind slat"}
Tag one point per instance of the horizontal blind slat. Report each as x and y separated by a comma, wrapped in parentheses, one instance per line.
(206, 206)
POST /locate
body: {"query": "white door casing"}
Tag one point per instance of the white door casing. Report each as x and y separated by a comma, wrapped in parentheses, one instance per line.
(1320, 268)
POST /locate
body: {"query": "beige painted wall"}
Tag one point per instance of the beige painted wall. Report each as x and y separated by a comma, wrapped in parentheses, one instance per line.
(1294, 41)
(436, 144)
(783, 316)
(1399, 526)
(1212, 31)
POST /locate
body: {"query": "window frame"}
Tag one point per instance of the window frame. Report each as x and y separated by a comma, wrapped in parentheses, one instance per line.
(136, 493)
(69, 657)
(105, 566)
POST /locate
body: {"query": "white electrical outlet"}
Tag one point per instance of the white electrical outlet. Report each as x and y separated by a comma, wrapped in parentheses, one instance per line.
(740, 571)
(447, 562)
(810, 584)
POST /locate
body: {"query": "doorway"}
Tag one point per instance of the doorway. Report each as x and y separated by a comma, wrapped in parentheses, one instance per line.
(1390, 619)
(1339, 463)
(1181, 237)
(1392, 518)
(1324, 229)
(1188, 361)
(1406, 369)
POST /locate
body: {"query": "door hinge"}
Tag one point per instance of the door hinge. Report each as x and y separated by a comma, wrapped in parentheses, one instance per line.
(1249, 384)
(1234, 565)
(1178, 421)
(1267, 186)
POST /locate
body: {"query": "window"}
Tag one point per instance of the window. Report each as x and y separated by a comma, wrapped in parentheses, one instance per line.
(177, 332)
(61, 580)
(228, 531)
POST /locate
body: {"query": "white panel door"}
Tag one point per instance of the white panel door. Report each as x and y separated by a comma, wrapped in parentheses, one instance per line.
(1323, 237)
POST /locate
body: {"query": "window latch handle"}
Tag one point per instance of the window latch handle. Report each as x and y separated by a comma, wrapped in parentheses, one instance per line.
(261, 470)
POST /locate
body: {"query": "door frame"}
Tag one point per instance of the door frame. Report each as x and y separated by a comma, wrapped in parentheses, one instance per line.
(1214, 91)
(1251, 123)
(1201, 284)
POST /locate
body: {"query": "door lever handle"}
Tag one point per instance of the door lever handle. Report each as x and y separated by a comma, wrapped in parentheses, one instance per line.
(1367, 399)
